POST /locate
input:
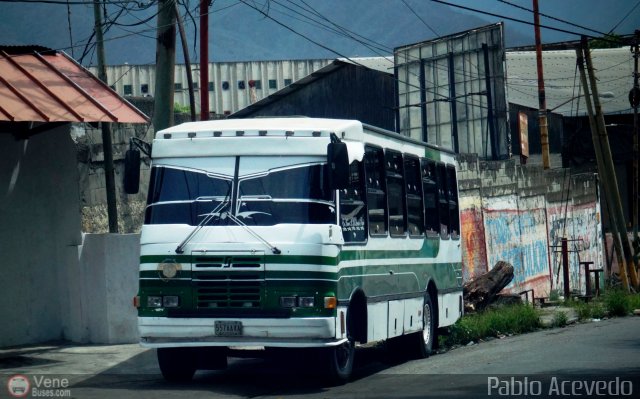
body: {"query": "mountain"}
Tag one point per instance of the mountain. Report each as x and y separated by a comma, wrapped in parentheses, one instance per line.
(239, 32)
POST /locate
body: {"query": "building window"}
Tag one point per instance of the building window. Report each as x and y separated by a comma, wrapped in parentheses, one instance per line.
(241, 85)
(256, 84)
(376, 191)
(177, 87)
(395, 192)
(128, 90)
(287, 82)
(144, 88)
(413, 187)
(273, 84)
(195, 85)
(211, 86)
(225, 85)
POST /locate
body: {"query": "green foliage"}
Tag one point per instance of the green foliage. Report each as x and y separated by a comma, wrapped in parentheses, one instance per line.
(634, 301)
(554, 295)
(181, 109)
(514, 319)
(607, 41)
(617, 302)
(559, 319)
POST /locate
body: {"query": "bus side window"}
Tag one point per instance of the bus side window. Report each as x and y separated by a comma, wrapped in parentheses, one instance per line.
(352, 206)
(430, 189)
(376, 190)
(454, 216)
(443, 200)
(413, 187)
(395, 189)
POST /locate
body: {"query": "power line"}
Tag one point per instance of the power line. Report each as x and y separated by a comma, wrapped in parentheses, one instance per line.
(419, 17)
(552, 17)
(511, 18)
(625, 17)
(64, 2)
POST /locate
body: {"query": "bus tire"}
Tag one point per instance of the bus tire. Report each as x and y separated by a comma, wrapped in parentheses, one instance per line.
(339, 362)
(176, 364)
(422, 342)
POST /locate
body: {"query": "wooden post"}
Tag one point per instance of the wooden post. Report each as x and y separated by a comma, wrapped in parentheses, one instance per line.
(107, 146)
(165, 65)
(204, 60)
(187, 63)
(542, 99)
(565, 267)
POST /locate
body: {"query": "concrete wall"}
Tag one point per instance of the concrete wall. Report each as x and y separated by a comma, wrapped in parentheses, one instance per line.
(520, 213)
(39, 232)
(103, 286)
(90, 167)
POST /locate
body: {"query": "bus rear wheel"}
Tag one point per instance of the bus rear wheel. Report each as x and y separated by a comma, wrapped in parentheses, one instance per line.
(422, 343)
(177, 364)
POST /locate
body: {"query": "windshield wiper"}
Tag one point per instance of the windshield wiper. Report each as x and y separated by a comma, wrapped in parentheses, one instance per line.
(215, 212)
(240, 223)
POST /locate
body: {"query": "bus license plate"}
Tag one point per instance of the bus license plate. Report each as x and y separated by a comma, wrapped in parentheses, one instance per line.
(228, 328)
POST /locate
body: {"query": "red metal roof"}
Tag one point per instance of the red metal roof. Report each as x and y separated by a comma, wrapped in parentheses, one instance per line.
(48, 86)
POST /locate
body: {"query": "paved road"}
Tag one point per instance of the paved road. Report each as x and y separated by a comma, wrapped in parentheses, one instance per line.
(597, 350)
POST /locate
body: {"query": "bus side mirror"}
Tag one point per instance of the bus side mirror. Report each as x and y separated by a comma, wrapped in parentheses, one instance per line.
(132, 171)
(338, 165)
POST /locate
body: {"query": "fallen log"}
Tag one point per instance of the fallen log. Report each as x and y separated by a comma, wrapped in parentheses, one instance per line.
(481, 291)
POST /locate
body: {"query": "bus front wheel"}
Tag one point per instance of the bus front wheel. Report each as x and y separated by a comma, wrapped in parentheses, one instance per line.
(176, 364)
(339, 361)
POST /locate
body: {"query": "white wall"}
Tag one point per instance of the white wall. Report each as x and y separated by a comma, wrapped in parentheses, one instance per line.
(54, 283)
(104, 286)
(39, 232)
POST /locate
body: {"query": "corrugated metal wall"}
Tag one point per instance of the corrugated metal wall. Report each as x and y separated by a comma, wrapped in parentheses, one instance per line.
(229, 88)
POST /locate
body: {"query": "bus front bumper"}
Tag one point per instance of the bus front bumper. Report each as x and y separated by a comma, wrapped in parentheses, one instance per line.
(161, 332)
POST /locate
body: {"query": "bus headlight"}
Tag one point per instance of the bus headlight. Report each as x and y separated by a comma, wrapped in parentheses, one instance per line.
(169, 269)
(170, 301)
(154, 301)
(288, 301)
(306, 302)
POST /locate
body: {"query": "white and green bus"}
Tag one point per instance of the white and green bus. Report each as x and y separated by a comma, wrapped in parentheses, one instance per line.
(317, 234)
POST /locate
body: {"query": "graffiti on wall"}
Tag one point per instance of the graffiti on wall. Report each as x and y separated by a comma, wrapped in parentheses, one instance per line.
(520, 238)
(581, 226)
(474, 255)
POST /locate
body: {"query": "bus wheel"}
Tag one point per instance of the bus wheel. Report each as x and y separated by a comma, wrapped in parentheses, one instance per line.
(423, 342)
(176, 364)
(340, 361)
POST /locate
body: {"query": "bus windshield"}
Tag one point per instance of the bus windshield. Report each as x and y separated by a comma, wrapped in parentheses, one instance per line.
(284, 194)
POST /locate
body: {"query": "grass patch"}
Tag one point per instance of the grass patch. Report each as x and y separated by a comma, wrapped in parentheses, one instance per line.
(559, 319)
(514, 319)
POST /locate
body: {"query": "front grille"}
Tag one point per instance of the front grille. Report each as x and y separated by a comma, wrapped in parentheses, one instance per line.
(225, 291)
(228, 282)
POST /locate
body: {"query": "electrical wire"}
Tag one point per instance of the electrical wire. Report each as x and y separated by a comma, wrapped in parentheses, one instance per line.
(625, 17)
(552, 17)
(419, 17)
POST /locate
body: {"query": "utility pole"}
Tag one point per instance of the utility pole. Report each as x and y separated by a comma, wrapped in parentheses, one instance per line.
(165, 65)
(204, 60)
(606, 183)
(187, 64)
(635, 100)
(542, 99)
(110, 184)
(616, 204)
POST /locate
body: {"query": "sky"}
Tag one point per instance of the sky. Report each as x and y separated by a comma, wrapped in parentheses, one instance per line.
(244, 30)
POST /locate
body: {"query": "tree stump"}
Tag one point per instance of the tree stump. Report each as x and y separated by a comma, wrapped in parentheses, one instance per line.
(480, 292)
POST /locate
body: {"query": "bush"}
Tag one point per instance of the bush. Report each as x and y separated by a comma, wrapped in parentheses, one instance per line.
(617, 303)
(559, 319)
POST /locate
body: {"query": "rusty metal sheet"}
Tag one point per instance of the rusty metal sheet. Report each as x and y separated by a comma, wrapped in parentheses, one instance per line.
(52, 87)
